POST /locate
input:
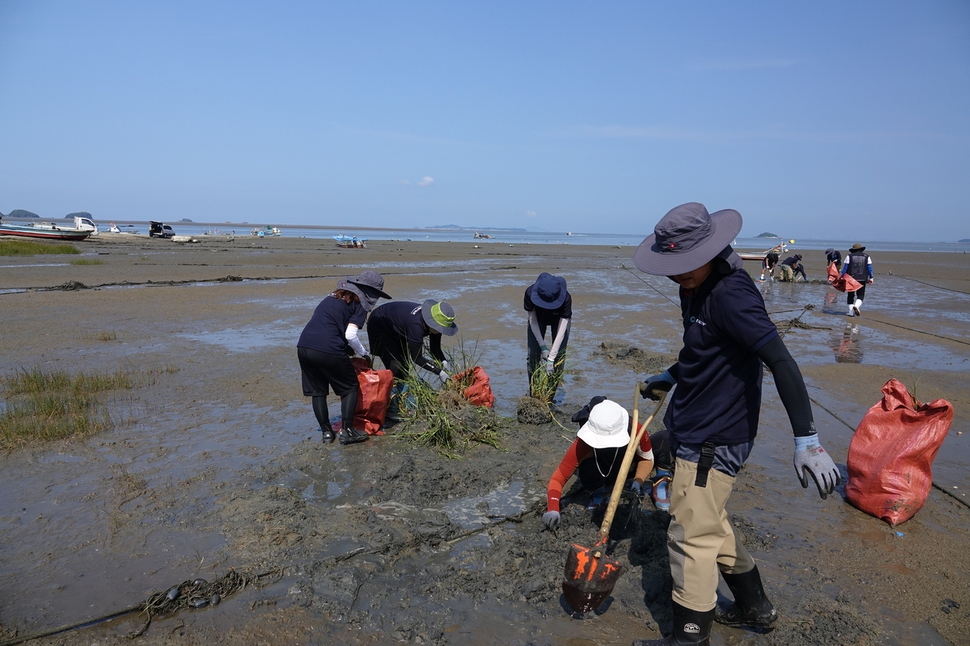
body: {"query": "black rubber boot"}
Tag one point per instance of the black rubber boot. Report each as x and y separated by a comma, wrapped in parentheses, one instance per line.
(322, 414)
(691, 628)
(348, 434)
(751, 606)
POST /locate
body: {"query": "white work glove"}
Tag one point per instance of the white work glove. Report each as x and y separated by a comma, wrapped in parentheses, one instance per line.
(811, 459)
(445, 365)
(550, 366)
(443, 375)
(551, 520)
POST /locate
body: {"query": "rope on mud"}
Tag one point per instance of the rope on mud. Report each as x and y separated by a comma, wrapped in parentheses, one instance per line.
(923, 282)
(188, 594)
(648, 284)
(940, 488)
(909, 329)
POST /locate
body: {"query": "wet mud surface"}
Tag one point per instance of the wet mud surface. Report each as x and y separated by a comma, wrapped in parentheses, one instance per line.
(215, 465)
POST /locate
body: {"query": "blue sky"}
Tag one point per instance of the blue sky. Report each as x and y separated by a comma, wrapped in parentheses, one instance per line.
(826, 119)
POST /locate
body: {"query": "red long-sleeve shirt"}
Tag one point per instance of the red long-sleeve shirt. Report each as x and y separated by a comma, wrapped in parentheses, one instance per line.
(579, 451)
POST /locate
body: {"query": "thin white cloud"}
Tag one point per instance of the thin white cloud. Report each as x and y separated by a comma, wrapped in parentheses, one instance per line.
(426, 181)
(403, 182)
(531, 214)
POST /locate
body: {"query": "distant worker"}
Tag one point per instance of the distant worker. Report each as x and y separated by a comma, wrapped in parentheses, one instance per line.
(792, 269)
(857, 264)
(833, 257)
(549, 306)
(397, 330)
(768, 264)
(595, 455)
(325, 346)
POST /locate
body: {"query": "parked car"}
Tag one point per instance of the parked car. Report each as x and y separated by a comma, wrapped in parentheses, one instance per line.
(159, 230)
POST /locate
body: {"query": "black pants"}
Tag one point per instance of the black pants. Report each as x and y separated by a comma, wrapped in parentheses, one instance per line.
(860, 294)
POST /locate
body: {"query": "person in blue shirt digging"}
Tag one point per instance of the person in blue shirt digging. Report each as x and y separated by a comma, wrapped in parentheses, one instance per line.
(712, 416)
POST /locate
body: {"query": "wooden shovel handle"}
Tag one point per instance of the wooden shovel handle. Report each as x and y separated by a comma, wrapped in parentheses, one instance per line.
(604, 532)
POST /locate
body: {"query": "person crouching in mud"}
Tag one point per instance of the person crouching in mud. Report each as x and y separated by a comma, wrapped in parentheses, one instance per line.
(712, 416)
(596, 455)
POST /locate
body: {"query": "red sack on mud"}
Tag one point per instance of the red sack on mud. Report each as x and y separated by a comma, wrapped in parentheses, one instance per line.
(842, 283)
(479, 392)
(375, 394)
(891, 455)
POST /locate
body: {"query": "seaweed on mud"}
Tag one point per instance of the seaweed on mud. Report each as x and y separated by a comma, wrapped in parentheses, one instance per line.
(634, 358)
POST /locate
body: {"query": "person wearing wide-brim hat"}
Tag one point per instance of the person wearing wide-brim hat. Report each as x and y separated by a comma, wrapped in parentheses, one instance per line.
(596, 453)
(550, 306)
(371, 284)
(324, 351)
(397, 330)
(712, 414)
(857, 264)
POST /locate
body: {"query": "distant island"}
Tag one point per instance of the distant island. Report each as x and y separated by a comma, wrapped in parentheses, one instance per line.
(80, 214)
(185, 220)
(766, 235)
(20, 213)
(965, 240)
(455, 226)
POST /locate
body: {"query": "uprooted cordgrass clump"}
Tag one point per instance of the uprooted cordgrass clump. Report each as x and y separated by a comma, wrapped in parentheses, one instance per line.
(536, 407)
(45, 406)
(441, 418)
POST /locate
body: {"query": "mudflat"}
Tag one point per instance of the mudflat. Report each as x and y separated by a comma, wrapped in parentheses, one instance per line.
(215, 465)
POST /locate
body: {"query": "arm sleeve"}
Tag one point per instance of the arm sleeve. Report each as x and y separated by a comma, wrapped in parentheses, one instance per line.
(644, 459)
(791, 386)
(351, 336)
(534, 326)
(560, 335)
(563, 472)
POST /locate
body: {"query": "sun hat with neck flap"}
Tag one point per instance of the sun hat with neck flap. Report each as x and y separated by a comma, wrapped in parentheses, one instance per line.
(606, 427)
(440, 316)
(548, 292)
(371, 284)
(686, 238)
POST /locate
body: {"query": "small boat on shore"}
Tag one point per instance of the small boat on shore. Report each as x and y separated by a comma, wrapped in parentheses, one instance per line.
(83, 227)
(350, 242)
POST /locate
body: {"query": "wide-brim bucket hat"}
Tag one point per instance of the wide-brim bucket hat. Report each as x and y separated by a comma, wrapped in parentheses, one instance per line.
(857, 247)
(345, 284)
(685, 239)
(606, 427)
(371, 280)
(440, 316)
(548, 292)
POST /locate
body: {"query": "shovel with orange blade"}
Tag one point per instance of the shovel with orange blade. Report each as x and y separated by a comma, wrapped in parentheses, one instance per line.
(590, 574)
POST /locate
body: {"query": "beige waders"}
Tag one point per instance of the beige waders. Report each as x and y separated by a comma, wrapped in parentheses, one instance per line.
(700, 539)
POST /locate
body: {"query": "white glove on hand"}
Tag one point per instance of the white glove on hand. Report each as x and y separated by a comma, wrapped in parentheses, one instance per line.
(443, 375)
(550, 366)
(445, 365)
(811, 459)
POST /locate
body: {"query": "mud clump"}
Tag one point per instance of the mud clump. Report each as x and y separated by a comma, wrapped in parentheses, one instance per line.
(532, 411)
(633, 358)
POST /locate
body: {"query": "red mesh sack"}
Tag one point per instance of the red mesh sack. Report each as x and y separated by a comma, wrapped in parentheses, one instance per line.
(891, 455)
(479, 392)
(375, 394)
(842, 283)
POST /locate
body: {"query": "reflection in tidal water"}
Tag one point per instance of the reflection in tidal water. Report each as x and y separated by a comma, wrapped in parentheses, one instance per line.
(848, 346)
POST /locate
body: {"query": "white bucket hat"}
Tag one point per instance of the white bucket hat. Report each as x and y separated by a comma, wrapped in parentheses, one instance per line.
(606, 427)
